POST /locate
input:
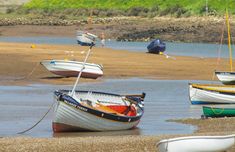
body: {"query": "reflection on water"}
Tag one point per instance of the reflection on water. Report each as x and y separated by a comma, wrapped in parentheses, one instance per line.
(23, 106)
(172, 48)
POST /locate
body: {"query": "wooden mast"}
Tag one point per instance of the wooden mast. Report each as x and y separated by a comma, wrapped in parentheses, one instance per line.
(229, 42)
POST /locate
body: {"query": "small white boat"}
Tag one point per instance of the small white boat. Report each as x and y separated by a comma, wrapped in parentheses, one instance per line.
(68, 68)
(85, 38)
(96, 111)
(197, 144)
(211, 94)
(226, 77)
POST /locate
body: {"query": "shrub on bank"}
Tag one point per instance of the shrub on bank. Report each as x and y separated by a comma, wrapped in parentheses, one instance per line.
(109, 8)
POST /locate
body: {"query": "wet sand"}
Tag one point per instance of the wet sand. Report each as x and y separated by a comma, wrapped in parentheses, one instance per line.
(104, 143)
(18, 60)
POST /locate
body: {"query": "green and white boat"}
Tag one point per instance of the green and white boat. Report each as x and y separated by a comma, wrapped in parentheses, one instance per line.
(218, 112)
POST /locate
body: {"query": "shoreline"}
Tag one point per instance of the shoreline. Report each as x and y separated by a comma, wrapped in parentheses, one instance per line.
(191, 29)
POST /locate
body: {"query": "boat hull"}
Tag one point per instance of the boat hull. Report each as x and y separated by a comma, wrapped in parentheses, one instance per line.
(156, 46)
(72, 68)
(218, 112)
(214, 94)
(197, 144)
(227, 78)
(85, 39)
(70, 115)
(71, 119)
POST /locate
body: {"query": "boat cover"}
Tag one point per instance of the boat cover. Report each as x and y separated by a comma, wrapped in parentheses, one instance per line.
(156, 46)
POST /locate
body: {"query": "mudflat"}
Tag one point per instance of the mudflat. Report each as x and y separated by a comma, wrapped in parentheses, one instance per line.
(18, 60)
(222, 126)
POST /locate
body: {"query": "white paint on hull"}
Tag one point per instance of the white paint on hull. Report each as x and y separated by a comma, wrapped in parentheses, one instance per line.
(226, 77)
(66, 66)
(197, 144)
(85, 37)
(69, 115)
(208, 96)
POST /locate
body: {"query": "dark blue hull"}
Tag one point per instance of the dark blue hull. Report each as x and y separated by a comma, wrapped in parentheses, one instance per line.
(156, 46)
(85, 44)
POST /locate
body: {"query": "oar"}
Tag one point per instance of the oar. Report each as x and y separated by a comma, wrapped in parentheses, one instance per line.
(83, 67)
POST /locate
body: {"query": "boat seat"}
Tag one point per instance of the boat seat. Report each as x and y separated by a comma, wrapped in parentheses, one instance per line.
(98, 106)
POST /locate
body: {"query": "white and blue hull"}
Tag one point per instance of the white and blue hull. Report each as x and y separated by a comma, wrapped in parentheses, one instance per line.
(72, 68)
(203, 96)
(71, 116)
(226, 77)
(89, 111)
(85, 39)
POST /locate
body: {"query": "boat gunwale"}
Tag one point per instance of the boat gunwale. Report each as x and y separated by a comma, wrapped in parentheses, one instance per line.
(102, 114)
(218, 108)
(205, 87)
(219, 72)
(76, 62)
(196, 137)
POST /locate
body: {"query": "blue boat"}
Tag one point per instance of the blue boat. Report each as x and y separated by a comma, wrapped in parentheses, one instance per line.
(156, 46)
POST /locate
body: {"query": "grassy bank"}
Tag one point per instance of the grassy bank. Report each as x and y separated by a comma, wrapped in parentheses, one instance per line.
(134, 7)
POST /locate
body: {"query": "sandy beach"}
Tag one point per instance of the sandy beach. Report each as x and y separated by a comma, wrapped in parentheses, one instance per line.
(19, 59)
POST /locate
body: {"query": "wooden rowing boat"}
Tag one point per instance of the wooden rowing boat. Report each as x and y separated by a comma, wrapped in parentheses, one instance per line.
(211, 94)
(96, 111)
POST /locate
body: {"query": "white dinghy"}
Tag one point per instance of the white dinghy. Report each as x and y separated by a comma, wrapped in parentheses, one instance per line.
(68, 68)
(197, 144)
(96, 111)
(211, 94)
(85, 38)
(227, 77)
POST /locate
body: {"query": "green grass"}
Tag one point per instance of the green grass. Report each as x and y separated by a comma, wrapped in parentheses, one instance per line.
(193, 7)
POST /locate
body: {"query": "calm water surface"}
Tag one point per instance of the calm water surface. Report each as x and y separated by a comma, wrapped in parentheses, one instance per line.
(173, 48)
(22, 106)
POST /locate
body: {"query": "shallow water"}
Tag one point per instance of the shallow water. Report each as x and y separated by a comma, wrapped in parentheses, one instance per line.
(23, 106)
(172, 48)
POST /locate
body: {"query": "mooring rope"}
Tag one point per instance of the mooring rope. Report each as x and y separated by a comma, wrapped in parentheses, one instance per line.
(219, 50)
(39, 120)
(28, 75)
